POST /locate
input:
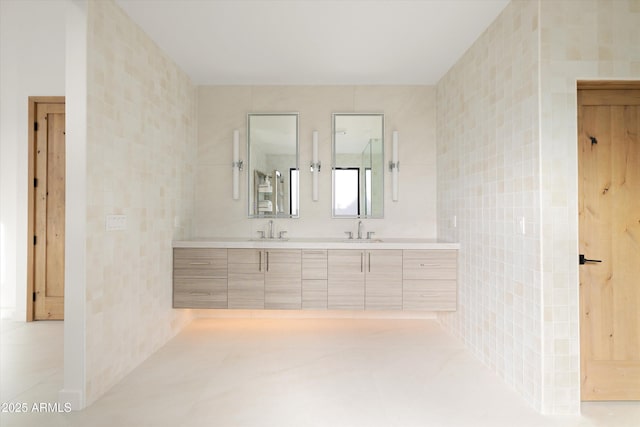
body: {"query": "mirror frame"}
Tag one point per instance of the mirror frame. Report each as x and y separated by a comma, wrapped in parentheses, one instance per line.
(250, 172)
(333, 165)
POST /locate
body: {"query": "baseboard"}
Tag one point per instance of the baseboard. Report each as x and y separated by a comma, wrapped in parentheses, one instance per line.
(73, 397)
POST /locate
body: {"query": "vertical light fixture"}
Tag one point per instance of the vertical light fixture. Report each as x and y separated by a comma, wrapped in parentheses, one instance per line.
(394, 167)
(315, 166)
(236, 165)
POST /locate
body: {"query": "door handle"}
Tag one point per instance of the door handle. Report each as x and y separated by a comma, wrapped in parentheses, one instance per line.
(584, 260)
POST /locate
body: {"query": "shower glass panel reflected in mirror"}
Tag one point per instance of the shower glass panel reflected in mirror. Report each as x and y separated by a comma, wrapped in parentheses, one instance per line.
(273, 165)
(358, 166)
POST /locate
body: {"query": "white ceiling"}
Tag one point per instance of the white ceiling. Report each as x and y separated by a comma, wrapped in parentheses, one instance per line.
(316, 42)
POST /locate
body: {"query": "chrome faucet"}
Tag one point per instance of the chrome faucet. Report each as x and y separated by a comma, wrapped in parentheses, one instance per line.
(271, 229)
(359, 229)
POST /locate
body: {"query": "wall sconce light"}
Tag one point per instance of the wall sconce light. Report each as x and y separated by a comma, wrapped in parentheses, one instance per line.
(394, 167)
(236, 165)
(315, 166)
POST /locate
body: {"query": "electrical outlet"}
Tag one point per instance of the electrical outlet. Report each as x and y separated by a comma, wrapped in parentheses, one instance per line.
(454, 222)
(116, 222)
(522, 225)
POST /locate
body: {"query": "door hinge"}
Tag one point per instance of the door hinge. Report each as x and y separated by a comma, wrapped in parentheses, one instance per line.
(35, 240)
(35, 182)
(35, 126)
(34, 296)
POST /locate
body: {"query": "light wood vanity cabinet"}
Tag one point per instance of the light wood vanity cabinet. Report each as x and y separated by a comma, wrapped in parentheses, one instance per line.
(314, 279)
(430, 280)
(199, 278)
(319, 279)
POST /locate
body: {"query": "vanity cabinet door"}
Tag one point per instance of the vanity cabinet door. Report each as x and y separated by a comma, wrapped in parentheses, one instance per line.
(246, 278)
(383, 278)
(199, 278)
(430, 280)
(346, 280)
(314, 279)
(283, 279)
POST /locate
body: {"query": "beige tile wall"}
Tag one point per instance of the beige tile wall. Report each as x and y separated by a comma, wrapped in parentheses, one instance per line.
(488, 177)
(408, 109)
(580, 40)
(499, 159)
(141, 149)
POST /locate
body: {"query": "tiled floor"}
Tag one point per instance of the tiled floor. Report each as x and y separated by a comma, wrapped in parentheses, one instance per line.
(287, 372)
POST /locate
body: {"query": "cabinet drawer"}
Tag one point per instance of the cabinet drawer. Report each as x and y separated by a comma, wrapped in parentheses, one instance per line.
(200, 293)
(430, 295)
(425, 264)
(314, 265)
(200, 262)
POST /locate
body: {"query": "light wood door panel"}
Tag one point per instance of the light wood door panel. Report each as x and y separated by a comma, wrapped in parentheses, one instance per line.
(283, 279)
(49, 211)
(345, 287)
(246, 279)
(609, 227)
(383, 279)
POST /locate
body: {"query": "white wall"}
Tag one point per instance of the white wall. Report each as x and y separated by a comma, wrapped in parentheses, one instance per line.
(32, 63)
(408, 109)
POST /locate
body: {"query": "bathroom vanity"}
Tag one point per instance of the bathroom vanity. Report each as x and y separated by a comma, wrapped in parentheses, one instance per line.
(315, 274)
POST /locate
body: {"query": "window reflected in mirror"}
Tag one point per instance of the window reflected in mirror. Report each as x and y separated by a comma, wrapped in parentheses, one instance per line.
(358, 165)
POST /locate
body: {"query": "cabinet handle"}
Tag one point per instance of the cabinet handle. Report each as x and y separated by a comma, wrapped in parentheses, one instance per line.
(199, 263)
(260, 261)
(267, 252)
(369, 262)
(313, 252)
(429, 265)
(361, 262)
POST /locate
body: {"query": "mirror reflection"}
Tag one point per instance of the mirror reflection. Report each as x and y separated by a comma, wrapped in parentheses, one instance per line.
(273, 165)
(358, 165)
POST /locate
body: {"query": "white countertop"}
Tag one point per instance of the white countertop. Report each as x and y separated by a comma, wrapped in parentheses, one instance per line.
(315, 243)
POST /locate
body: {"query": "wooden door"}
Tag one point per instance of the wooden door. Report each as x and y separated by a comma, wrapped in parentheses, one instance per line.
(609, 227)
(48, 214)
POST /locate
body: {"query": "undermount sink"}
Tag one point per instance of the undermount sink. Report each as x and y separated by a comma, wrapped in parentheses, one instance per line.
(362, 241)
(284, 239)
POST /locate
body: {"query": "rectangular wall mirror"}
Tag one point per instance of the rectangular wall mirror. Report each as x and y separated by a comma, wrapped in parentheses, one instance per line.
(358, 166)
(272, 145)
